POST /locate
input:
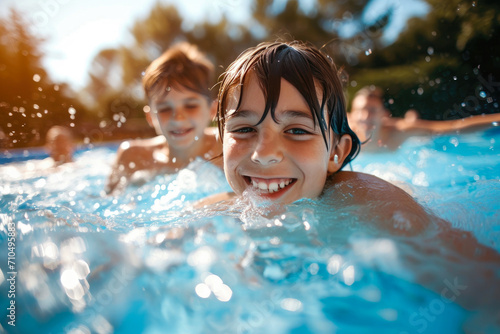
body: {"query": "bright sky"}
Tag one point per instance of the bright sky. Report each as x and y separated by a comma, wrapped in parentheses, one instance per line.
(76, 30)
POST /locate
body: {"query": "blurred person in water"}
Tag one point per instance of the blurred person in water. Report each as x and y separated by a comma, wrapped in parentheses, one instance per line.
(378, 131)
(59, 143)
(3, 139)
(178, 88)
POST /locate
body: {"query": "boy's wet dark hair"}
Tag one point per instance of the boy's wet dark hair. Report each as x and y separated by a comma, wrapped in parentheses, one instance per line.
(303, 66)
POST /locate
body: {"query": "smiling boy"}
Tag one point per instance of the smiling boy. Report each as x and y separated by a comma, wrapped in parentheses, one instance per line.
(285, 135)
(177, 85)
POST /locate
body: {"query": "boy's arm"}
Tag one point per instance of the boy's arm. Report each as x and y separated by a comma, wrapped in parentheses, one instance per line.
(472, 123)
(121, 169)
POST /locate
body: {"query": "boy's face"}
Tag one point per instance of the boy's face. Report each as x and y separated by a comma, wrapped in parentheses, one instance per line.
(60, 148)
(283, 161)
(181, 116)
(366, 113)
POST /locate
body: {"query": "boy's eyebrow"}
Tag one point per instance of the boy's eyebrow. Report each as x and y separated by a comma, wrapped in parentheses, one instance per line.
(296, 113)
(244, 113)
(187, 99)
(287, 114)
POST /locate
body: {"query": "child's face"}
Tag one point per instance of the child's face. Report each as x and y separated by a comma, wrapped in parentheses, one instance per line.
(60, 147)
(283, 161)
(181, 116)
(366, 113)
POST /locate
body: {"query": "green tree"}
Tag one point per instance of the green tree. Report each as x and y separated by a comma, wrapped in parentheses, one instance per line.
(445, 65)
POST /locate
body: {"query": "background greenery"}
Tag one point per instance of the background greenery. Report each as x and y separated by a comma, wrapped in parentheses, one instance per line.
(445, 65)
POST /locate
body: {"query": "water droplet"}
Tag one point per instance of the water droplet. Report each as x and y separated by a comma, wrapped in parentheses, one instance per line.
(420, 91)
(196, 138)
(430, 50)
(36, 78)
(368, 52)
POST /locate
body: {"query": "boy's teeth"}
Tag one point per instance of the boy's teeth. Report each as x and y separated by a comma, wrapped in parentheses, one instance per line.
(271, 187)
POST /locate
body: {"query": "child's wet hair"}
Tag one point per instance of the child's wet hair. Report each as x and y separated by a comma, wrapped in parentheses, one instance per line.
(182, 65)
(303, 66)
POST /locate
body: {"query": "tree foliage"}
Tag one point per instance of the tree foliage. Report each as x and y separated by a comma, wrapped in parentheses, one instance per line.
(445, 65)
(29, 101)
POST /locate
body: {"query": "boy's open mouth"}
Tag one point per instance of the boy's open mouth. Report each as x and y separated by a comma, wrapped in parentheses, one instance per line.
(180, 132)
(269, 186)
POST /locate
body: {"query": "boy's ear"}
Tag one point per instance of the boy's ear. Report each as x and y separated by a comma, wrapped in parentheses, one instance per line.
(341, 150)
(148, 118)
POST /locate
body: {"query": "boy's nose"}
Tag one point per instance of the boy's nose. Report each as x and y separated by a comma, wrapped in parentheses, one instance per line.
(268, 149)
(178, 114)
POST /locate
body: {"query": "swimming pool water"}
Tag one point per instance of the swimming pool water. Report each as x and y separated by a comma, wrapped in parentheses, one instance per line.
(145, 261)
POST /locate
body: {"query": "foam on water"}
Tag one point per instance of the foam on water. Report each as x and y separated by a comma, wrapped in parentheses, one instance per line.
(145, 261)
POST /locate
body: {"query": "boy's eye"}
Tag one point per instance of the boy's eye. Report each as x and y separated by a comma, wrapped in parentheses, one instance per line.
(191, 106)
(297, 131)
(243, 130)
(163, 110)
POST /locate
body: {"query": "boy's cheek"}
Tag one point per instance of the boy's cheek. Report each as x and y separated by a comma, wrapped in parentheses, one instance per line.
(232, 146)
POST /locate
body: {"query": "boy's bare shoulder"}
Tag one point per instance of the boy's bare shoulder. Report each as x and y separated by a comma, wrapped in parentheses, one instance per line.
(141, 154)
(360, 188)
(376, 200)
(146, 143)
(141, 146)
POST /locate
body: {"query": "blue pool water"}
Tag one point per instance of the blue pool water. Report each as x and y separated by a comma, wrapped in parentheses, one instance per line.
(145, 261)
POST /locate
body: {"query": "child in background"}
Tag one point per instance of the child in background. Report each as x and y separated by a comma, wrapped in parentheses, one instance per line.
(59, 143)
(379, 132)
(177, 85)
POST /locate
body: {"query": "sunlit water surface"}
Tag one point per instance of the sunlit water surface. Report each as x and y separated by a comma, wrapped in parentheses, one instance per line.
(145, 261)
